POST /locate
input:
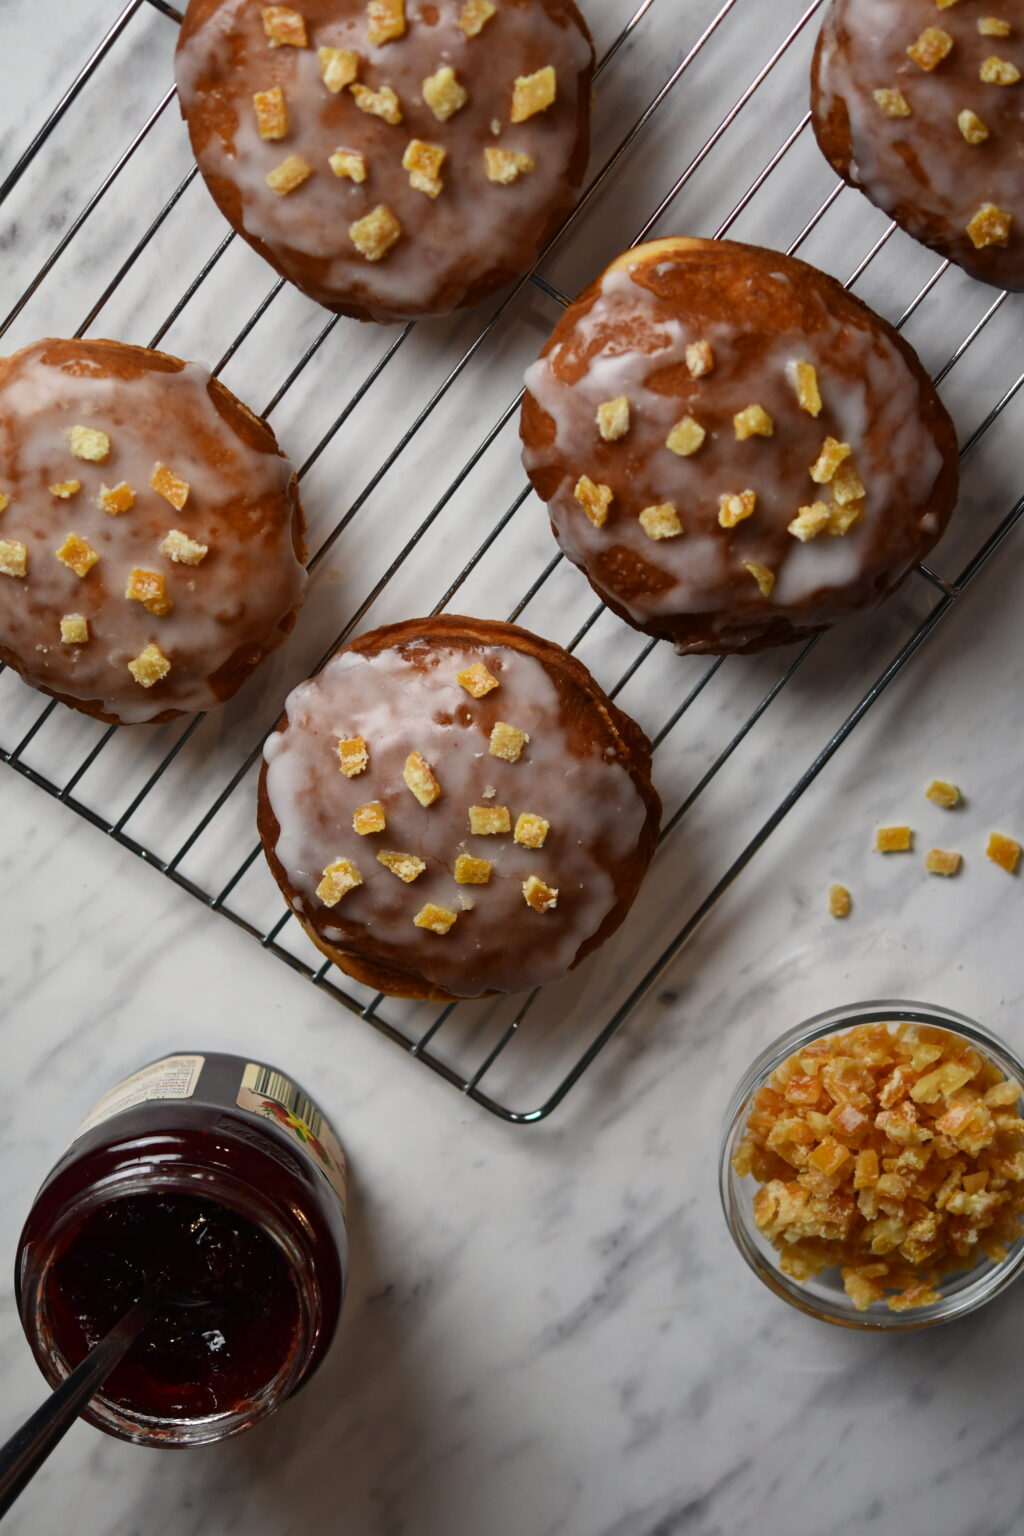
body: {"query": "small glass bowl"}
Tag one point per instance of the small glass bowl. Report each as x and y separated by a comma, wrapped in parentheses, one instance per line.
(823, 1297)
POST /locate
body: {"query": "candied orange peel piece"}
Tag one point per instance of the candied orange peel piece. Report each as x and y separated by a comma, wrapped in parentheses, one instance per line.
(339, 878)
(736, 507)
(289, 175)
(533, 93)
(13, 558)
(931, 48)
(353, 756)
(149, 666)
(990, 226)
(753, 421)
(423, 161)
(538, 895)
(349, 163)
(435, 919)
(444, 94)
(385, 21)
(419, 779)
(271, 113)
(996, 71)
(686, 437)
(762, 575)
(475, 15)
(507, 741)
(506, 166)
(284, 27)
(338, 67)
(971, 126)
(470, 871)
(74, 629)
(177, 546)
(893, 839)
(489, 820)
(77, 554)
(65, 489)
(892, 102)
(938, 861)
(375, 233)
(594, 499)
(839, 902)
(149, 589)
(1004, 851)
(613, 418)
(405, 865)
(531, 830)
(89, 443)
(116, 499)
(700, 358)
(942, 792)
(661, 522)
(476, 680)
(383, 103)
(369, 818)
(168, 485)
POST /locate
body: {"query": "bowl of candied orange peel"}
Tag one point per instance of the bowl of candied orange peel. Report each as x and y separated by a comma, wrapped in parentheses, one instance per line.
(872, 1168)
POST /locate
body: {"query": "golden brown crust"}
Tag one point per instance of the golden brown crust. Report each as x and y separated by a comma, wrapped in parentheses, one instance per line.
(589, 719)
(160, 408)
(456, 246)
(908, 154)
(762, 310)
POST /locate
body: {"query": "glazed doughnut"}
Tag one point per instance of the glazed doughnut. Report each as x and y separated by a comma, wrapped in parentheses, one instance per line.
(150, 531)
(392, 158)
(453, 808)
(733, 449)
(922, 107)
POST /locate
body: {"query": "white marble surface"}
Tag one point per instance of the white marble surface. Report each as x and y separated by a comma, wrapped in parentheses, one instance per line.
(548, 1330)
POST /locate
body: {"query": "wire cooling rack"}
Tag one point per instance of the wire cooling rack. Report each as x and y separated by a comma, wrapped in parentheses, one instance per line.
(700, 128)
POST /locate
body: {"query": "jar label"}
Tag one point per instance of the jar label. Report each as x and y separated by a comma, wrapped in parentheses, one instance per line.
(174, 1077)
(268, 1093)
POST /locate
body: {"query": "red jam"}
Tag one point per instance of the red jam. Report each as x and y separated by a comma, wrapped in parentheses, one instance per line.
(190, 1360)
(214, 1179)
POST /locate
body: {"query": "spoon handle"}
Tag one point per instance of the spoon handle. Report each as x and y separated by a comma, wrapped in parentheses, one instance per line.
(27, 1449)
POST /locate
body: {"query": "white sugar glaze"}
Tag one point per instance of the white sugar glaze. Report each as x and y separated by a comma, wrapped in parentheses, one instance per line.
(871, 401)
(407, 699)
(473, 227)
(238, 595)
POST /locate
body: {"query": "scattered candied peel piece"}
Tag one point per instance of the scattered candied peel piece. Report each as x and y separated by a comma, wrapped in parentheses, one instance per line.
(686, 437)
(369, 818)
(65, 489)
(405, 865)
(475, 15)
(541, 897)
(89, 443)
(419, 779)
(149, 666)
(507, 741)
(893, 839)
(735, 507)
(531, 830)
(892, 102)
(1004, 851)
(594, 499)
(77, 554)
(74, 629)
(476, 680)
(423, 161)
(832, 454)
(700, 359)
(353, 756)
(810, 521)
(838, 901)
(808, 392)
(435, 919)
(996, 71)
(284, 27)
(752, 421)
(385, 20)
(289, 175)
(938, 861)
(375, 233)
(661, 522)
(505, 166)
(338, 67)
(5, 501)
(13, 558)
(116, 499)
(348, 162)
(942, 792)
(762, 575)
(271, 113)
(993, 26)
(931, 48)
(971, 126)
(443, 93)
(533, 93)
(167, 484)
(338, 879)
(990, 226)
(177, 546)
(383, 103)
(893, 1153)
(489, 820)
(470, 871)
(613, 418)
(149, 589)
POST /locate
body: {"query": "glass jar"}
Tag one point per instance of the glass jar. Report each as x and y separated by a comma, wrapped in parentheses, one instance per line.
(823, 1297)
(207, 1175)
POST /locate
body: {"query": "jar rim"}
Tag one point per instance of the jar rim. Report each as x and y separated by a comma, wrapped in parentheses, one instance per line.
(989, 1280)
(183, 1176)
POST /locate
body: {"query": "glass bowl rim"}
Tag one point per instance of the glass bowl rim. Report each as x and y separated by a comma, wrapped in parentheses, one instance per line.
(974, 1294)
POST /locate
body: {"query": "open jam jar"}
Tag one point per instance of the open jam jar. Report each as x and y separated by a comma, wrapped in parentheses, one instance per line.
(205, 1179)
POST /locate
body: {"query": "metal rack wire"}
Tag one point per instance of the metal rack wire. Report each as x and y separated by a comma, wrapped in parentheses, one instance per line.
(471, 1045)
